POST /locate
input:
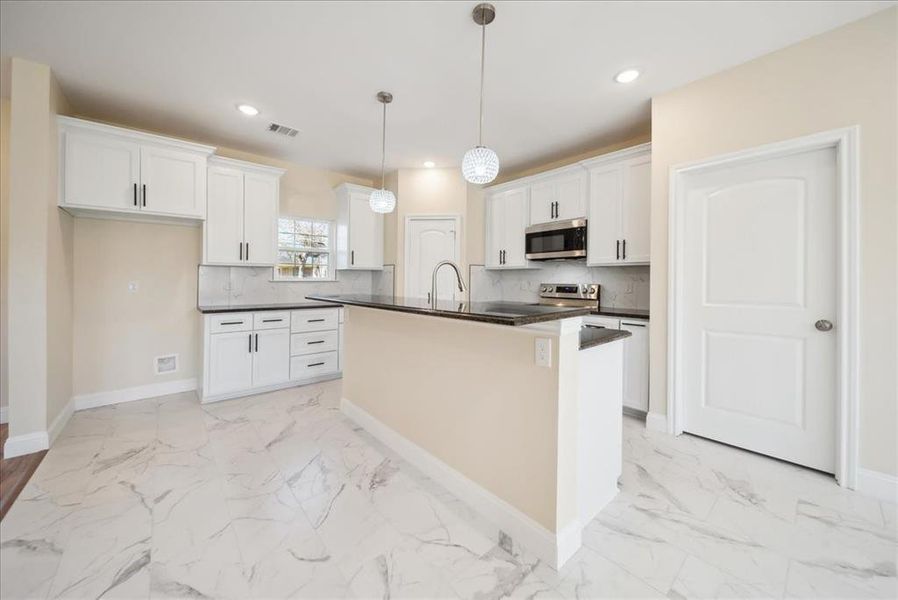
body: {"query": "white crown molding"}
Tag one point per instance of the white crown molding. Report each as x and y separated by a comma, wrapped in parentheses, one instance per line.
(233, 163)
(138, 136)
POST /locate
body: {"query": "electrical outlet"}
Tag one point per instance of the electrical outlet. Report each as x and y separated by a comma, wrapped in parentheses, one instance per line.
(543, 351)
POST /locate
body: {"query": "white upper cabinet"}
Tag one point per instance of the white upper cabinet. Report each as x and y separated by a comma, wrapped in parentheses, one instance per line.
(560, 196)
(116, 171)
(101, 171)
(241, 214)
(507, 216)
(620, 207)
(360, 230)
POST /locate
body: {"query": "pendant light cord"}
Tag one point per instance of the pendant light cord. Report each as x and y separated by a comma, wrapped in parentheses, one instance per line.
(383, 149)
(482, 60)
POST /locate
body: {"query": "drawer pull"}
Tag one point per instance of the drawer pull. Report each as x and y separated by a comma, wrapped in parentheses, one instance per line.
(315, 321)
(272, 320)
(317, 364)
(231, 323)
(316, 342)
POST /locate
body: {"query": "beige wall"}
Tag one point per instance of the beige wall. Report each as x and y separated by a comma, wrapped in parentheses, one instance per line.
(39, 246)
(4, 246)
(470, 391)
(118, 333)
(841, 78)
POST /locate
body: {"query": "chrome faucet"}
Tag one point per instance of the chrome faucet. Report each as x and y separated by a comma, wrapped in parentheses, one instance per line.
(433, 285)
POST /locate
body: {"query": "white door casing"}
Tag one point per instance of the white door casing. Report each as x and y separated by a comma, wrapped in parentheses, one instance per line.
(429, 240)
(763, 243)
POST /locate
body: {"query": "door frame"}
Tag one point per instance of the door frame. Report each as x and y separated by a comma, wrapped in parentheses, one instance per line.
(456, 219)
(846, 143)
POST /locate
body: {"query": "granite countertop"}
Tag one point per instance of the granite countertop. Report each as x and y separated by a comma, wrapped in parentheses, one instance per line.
(261, 307)
(626, 313)
(596, 336)
(499, 313)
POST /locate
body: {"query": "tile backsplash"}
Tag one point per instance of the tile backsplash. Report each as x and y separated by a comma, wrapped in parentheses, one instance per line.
(622, 287)
(236, 286)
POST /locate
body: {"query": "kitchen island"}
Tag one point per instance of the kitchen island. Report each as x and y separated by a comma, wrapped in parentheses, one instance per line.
(495, 401)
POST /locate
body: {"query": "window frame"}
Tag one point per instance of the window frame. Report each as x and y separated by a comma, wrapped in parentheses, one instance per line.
(329, 251)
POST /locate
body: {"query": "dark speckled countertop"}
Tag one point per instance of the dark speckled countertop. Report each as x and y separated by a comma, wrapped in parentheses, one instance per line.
(260, 307)
(499, 313)
(596, 336)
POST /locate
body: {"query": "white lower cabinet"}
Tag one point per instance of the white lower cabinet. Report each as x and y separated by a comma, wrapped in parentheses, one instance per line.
(247, 353)
(636, 358)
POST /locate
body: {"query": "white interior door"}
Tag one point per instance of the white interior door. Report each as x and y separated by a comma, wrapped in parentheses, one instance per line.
(759, 260)
(429, 241)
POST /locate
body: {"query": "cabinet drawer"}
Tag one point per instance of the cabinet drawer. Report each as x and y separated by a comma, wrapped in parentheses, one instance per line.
(312, 365)
(598, 321)
(313, 320)
(272, 319)
(313, 342)
(230, 322)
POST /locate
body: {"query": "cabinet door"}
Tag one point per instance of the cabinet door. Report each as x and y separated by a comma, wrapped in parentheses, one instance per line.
(517, 218)
(173, 182)
(542, 199)
(271, 357)
(100, 171)
(260, 218)
(570, 194)
(636, 365)
(605, 194)
(223, 228)
(366, 237)
(636, 210)
(230, 363)
(495, 231)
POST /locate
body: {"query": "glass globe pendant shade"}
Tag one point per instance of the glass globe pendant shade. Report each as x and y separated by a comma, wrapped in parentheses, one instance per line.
(382, 201)
(480, 165)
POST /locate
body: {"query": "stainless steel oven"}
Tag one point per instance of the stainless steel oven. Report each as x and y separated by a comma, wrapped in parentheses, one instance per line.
(556, 240)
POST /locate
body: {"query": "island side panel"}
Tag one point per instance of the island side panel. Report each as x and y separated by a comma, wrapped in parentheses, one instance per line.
(468, 393)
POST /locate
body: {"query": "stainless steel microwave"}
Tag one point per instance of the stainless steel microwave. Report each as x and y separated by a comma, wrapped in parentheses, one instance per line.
(556, 240)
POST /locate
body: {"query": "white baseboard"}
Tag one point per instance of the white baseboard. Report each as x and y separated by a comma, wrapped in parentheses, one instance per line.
(881, 486)
(4, 414)
(140, 392)
(656, 422)
(268, 388)
(554, 549)
(60, 421)
(29, 443)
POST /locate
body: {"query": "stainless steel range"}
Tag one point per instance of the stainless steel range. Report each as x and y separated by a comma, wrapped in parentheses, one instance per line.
(570, 294)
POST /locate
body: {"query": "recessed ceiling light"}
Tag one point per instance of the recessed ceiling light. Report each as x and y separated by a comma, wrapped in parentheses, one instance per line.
(250, 111)
(429, 164)
(627, 76)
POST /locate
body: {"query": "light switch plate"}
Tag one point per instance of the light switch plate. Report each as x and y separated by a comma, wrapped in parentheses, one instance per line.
(543, 352)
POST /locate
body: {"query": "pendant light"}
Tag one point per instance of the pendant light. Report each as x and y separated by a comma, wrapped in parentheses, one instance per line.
(480, 164)
(383, 200)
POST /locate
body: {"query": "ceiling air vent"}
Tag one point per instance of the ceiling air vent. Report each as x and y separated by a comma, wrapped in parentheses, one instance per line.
(282, 130)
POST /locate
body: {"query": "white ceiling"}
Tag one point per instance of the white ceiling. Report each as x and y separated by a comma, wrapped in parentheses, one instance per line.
(181, 67)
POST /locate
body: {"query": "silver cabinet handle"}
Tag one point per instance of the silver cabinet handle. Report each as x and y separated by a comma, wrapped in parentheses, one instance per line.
(823, 325)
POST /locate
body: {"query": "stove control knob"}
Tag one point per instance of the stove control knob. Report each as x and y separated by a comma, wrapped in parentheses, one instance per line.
(592, 289)
(584, 288)
(545, 288)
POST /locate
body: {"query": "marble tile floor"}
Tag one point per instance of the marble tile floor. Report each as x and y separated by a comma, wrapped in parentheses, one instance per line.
(280, 496)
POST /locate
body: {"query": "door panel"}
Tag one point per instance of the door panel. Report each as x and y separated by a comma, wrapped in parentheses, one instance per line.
(571, 197)
(517, 218)
(542, 197)
(230, 363)
(260, 215)
(759, 270)
(174, 180)
(495, 234)
(606, 190)
(365, 234)
(224, 216)
(636, 211)
(271, 357)
(101, 171)
(636, 366)
(429, 242)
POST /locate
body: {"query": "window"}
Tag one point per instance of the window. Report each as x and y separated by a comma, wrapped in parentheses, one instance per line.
(304, 248)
